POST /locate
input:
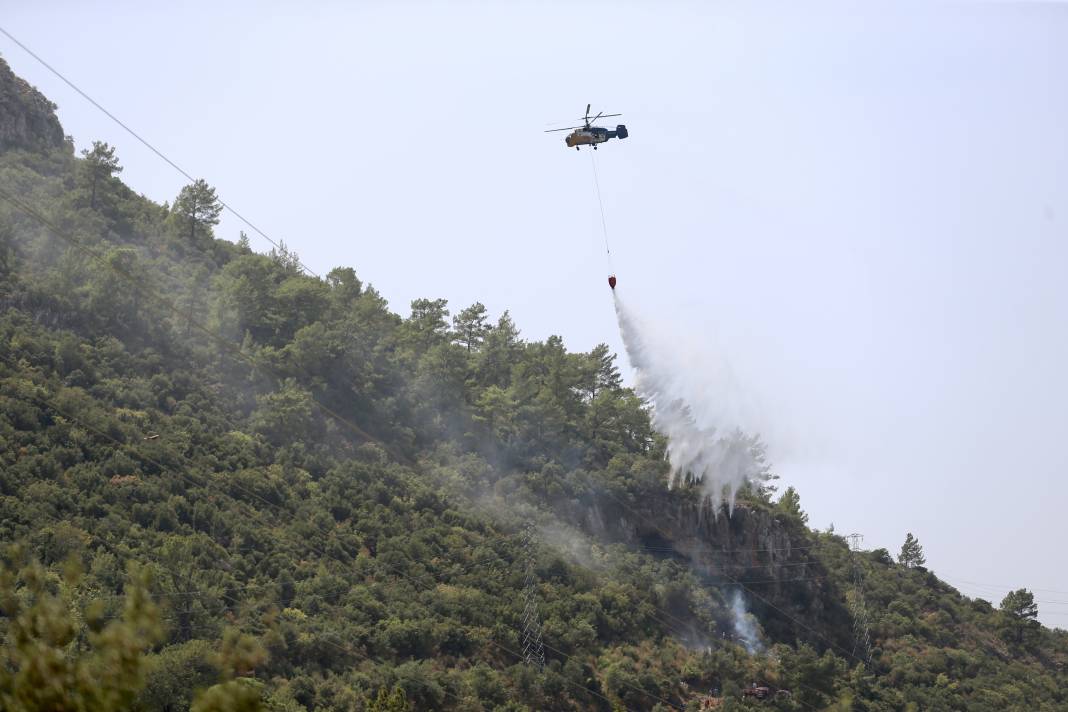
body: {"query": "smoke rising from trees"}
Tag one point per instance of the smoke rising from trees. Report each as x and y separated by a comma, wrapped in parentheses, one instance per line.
(745, 627)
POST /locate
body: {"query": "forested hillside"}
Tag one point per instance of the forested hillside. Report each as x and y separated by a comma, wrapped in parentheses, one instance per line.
(227, 484)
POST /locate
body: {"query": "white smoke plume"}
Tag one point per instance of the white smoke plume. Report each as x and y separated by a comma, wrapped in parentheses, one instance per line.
(706, 443)
(744, 624)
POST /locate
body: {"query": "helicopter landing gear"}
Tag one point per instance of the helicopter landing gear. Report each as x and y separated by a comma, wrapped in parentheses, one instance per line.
(576, 148)
(594, 148)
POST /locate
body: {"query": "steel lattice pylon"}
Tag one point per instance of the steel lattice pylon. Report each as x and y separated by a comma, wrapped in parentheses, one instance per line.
(533, 650)
(857, 607)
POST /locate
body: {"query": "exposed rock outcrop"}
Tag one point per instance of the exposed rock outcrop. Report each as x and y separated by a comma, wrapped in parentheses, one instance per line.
(27, 118)
(771, 559)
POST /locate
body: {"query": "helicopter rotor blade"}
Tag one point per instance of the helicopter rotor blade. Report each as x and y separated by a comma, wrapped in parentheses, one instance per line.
(588, 112)
(569, 128)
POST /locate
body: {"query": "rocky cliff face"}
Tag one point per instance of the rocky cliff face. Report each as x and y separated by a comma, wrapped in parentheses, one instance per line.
(27, 119)
(766, 558)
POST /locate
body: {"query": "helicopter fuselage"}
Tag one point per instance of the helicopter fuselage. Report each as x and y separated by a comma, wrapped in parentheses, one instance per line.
(593, 135)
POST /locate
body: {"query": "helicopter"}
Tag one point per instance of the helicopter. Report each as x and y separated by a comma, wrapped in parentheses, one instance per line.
(589, 135)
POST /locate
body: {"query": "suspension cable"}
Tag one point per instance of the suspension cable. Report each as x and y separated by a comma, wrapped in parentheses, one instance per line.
(600, 203)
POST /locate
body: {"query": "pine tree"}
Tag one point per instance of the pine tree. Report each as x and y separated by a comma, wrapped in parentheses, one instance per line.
(599, 371)
(500, 351)
(197, 204)
(471, 327)
(428, 323)
(345, 285)
(287, 259)
(790, 502)
(101, 164)
(1022, 612)
(911, 553)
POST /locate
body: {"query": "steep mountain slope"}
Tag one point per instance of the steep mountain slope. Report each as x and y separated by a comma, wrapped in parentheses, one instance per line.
(324, 502)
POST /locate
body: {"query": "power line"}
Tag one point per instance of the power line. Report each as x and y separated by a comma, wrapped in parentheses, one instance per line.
(728, 557)
(733, 551)
(1043, 601)
(766, 565)
(148, 145)
(1004, 587)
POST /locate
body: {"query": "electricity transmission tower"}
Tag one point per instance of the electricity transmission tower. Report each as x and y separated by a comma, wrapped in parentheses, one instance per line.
(533, 650)
(857, 607)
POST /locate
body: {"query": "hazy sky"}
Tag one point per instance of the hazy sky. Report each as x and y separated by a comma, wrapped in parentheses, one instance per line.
(860, 210)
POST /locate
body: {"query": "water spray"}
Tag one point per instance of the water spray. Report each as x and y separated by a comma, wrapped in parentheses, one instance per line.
(719, 457)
